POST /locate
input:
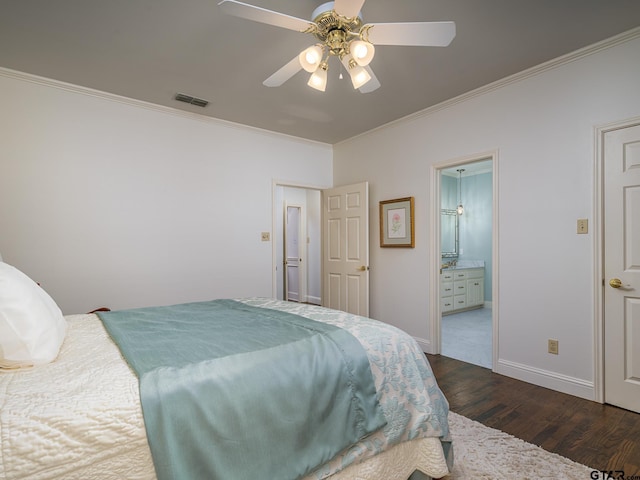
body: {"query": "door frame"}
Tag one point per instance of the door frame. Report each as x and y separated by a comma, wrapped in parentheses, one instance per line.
(598, 240)
(301, 254)
(435, 313)
(275, 183)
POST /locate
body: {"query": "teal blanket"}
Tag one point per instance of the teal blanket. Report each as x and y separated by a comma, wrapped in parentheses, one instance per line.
(231, 391)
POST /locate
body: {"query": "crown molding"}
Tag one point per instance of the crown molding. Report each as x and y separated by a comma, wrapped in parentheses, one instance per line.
(112, 97)
(516, 77)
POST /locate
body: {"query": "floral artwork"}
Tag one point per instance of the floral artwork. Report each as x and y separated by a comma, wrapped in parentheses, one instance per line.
(397, 223)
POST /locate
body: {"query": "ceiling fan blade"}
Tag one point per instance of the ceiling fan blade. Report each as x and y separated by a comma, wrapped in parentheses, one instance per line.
(348, 8)
(425, 34)
(284, 74)
(372, 84)
(262, 15)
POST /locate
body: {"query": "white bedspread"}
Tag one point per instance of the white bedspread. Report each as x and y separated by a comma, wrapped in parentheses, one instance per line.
(76, 418)
(80, 417)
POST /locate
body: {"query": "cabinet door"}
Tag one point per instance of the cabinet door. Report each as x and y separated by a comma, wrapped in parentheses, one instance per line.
(446, 290)
(459, 287)
(475, 292)
(459, 275)
(446, 304)
(446, 276)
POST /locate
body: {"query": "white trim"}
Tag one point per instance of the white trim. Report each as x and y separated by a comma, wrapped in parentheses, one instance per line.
(598, 253)
(314, 300)
(545, 378)
(112, 97)
(517, 77)
(598, 294)
(435, 314)
(275, 183)
(424, 344)
(435, 346)
(495, 261)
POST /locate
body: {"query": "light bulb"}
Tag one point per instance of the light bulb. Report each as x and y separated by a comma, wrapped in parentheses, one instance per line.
(359, 76)
(310, 58)
(318, 79)
(362, 52)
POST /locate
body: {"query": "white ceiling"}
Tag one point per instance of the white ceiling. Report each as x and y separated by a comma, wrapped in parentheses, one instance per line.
(152, 49)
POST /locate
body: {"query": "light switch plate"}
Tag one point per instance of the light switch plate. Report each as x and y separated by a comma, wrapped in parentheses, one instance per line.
(265, 236)
(583, 225)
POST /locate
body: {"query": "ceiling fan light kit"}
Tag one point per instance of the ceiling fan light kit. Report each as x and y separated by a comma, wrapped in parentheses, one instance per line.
(359, 76)
(362, 52)
(318, 79)
(311, 57)
(338, 26)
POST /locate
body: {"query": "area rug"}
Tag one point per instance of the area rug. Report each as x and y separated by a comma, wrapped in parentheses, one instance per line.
(481, 452)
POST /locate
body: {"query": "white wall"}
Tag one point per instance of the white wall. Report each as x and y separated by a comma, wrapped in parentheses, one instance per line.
(116, 203)
(543, 128)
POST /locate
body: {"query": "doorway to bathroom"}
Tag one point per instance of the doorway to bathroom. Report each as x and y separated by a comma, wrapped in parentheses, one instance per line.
(466, 261)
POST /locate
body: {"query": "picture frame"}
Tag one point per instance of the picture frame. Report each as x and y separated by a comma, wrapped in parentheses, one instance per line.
(397, 224)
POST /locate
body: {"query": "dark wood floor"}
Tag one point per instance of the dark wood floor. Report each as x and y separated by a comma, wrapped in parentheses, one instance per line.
(600, 436)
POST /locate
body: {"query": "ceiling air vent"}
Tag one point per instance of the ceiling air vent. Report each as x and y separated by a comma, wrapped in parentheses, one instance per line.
(181, 97)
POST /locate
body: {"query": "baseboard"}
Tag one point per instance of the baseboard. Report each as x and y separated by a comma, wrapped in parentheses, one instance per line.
(544, 378)
(314, 300)
(424, 344)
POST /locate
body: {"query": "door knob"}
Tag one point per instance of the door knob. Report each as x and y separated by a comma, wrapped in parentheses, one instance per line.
(615, 283)
(363, 268)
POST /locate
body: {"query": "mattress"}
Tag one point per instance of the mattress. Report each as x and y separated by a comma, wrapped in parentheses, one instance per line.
(79, 417)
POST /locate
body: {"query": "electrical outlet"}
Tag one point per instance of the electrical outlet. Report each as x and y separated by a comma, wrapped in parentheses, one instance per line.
(583, 225)
(265, 237)
(553, 346)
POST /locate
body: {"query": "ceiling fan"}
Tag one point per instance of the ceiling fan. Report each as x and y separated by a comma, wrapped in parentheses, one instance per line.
(338, 27)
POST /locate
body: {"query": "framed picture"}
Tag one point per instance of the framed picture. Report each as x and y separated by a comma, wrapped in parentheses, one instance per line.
(397, 223)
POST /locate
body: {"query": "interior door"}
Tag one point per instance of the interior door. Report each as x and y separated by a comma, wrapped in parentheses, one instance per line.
(345, 248)
(292, 256)
(622, 267)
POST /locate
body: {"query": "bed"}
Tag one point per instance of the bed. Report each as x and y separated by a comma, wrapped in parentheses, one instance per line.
(80, 415)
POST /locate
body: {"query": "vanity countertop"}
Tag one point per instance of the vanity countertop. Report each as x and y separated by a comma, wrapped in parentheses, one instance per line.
(464, 264)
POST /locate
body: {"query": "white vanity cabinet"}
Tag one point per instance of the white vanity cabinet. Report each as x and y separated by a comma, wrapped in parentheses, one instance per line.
(446, 291)
(475, 287)
(461, 289)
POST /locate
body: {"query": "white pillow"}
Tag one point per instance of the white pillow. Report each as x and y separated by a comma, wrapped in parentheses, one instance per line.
(32, 327)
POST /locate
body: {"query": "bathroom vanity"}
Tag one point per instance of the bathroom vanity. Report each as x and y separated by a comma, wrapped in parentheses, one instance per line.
(462, 287)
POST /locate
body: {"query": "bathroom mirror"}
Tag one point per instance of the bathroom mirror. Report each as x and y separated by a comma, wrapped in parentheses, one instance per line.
(449, 233)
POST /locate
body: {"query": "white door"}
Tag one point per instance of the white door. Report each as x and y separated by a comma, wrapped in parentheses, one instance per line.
(345, 250)
(622, 267)
(292, 255)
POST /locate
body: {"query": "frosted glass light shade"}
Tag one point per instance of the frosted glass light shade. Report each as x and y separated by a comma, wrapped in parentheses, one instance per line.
(362, 52)
(310, 58)
(318, 79)
(359, 76)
